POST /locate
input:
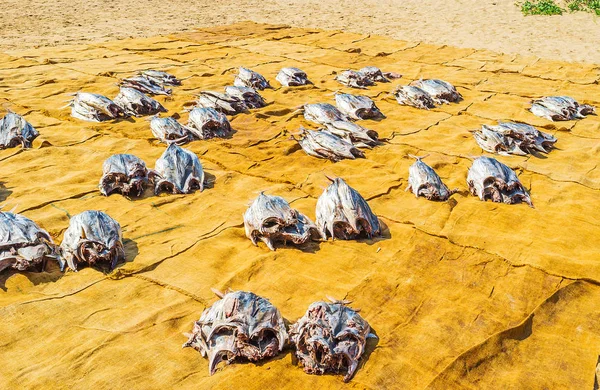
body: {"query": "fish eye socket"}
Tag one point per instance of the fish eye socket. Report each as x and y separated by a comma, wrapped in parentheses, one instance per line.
(269, 224)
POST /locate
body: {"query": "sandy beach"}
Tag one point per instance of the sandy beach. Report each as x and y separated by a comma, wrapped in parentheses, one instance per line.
(496, 25)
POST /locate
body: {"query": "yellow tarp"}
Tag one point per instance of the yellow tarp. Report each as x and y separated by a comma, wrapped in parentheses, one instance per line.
(461, 294)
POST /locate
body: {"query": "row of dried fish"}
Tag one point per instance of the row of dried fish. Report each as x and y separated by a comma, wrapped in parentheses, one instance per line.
(177, 171)
(341, 213)
(329, 338)
(234, 101)
(288, 77)
(92, 238)
(341, 138)
(243, 95)
(487, 179)
(365, 77)
(560, 108)
(203, 123)
(15, 131)
(93, 107)
(131, 100)
(152, 82)
(425, 94)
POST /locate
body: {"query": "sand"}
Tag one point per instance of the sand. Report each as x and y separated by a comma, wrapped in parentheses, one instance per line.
(484, 24)
(462, 294)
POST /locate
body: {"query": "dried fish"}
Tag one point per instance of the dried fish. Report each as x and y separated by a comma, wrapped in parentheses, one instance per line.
(177, 171)
(94, 108)
(513, 138)
(226, 104)
(135, 103)
(376, 75)
(241, 325)
(292, 77)
(495, 142)
(272, 220)
(442, 92)
(357, 107)
(145, 85)
(424, 181)
(354, 79)
(409, 95)
(248, 95)
(161, 77)
(250, 78)
(208, 123)
(330, 337)
(354, 133)
(323, 113)
(15, 130)
(323, 144)
(490, 179)
(343, 213)
(169, 131)
(125, 174)
(560, 108)
(23, 244)
(93, 238)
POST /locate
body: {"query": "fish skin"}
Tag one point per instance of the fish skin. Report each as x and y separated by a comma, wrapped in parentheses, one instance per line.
(357, 106)
(125, 174)
(560, 108)
(161, 77)
(178, 171)
(145, 85)
(167, 130)
(248, 95)
(344, 214)
(15, 130)
(409, 95)
(271, 220)
(424, 181)
(135, 103)
(239, 326)
(375, 74)
(92, 238)
(93, 107)
(23, 244)
(490, 179)
(324, 144)
(513, 138)
(223, 103)
(354, 79)
(330, 338)
(354, 133)
(442, 92)
(250, 78)
(292, 77)
(323, 113)
(207, 123)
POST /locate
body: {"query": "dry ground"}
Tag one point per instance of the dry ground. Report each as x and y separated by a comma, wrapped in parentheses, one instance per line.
(484, 24)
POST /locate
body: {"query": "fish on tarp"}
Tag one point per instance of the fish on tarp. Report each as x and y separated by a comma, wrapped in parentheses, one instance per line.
(271, 220)
(324, 144)
(125, 174)
(15, 130)
(560, 108)
(292, 77)
(239, 326)
(93, 107)
(135, 103)
(488, 178)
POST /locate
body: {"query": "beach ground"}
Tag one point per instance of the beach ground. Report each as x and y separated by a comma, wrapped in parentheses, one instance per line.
(496, 25)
